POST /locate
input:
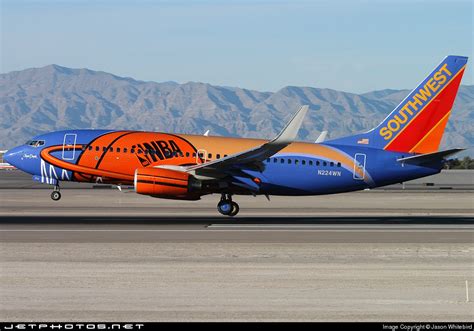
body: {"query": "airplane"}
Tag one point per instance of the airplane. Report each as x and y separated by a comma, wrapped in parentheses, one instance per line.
(404, 146)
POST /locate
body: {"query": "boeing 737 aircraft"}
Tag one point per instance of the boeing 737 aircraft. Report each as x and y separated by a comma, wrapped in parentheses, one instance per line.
(185, 167)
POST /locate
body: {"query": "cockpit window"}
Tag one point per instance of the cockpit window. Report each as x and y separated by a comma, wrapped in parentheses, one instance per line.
(35, 143)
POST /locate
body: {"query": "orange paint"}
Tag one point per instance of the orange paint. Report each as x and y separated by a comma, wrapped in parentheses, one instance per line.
(162, 182)
(430, 142)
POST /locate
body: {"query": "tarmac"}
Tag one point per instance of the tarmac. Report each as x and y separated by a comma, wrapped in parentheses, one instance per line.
(106, 255)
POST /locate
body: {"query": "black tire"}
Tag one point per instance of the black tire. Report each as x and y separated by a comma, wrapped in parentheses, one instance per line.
(235, 209)
(225, 207)
(55, 195)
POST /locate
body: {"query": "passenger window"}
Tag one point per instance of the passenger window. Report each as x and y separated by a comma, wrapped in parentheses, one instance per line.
(125, 149)
(303, 162)
(97, 148)
(338, 164)
(296, 162)
(139, 151)
(282, 160)
(111, 149)
(218, 156)
(310, 163)
(118, 149)
(104, 149)
(289, 161)
(332, 164)
(325, 163)
(317, 163)
(194, 154)
(209, 156)
(187, 154)
(90, 148)
(132, 151)
(275, 160)
(201, 155)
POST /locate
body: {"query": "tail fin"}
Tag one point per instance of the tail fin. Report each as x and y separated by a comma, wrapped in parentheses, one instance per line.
(417, 124)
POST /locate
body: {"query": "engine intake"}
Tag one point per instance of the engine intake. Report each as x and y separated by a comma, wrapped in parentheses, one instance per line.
(166, 183)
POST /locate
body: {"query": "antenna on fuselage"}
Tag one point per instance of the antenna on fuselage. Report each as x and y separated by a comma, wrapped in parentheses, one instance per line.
(321, 137)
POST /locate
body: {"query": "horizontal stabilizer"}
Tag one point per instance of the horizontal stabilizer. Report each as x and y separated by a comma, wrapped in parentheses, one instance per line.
(430, 157)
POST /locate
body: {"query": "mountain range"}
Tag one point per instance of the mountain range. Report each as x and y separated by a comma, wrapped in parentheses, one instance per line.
(39, 100)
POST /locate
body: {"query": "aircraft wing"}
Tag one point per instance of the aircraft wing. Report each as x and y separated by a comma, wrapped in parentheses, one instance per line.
(258, 154)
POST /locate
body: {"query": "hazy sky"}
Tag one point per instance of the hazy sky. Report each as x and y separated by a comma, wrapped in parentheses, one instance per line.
(355, 46)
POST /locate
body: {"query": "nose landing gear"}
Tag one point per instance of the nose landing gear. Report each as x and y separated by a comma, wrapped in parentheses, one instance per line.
(56, 195)
(227, 207)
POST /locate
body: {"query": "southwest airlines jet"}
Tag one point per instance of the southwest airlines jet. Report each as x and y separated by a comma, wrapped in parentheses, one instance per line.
(185, 167)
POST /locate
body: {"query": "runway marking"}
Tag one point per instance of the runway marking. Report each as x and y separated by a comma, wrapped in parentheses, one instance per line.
(347, 226)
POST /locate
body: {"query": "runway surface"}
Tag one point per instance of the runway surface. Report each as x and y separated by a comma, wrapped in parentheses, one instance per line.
(103, 255)
(90, 202)
(245, 230)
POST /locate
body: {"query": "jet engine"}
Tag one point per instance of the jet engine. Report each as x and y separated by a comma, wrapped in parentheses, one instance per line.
(166, 183)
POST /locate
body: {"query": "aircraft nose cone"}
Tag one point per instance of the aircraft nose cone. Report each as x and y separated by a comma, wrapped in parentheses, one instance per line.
(12, 156)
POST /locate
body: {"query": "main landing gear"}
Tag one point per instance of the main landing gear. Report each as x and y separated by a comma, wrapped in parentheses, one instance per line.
(56, 195)
(226, 206)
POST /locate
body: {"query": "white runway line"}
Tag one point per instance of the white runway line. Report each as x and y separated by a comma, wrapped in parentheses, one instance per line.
(347, 226)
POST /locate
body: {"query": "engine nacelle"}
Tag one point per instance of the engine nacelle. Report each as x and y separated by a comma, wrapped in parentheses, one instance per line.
(166, 183)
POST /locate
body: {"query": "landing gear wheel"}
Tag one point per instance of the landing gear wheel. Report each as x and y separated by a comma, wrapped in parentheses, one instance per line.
(225, 207)
(55, 195)
(235, 209)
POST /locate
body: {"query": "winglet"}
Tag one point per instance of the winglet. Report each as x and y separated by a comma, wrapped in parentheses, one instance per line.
(289, 133)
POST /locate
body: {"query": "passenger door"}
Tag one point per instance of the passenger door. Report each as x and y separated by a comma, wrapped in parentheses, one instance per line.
(69, 146)
(359, 166)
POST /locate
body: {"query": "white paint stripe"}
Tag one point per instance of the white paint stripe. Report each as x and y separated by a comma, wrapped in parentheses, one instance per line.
(344, 226)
